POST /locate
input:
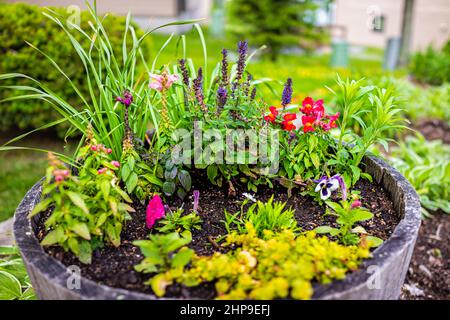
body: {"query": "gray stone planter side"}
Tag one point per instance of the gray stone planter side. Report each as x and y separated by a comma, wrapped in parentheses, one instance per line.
(378, 278)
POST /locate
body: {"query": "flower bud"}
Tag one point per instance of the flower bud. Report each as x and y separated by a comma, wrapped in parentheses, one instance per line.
(356, 204)
(115, 163)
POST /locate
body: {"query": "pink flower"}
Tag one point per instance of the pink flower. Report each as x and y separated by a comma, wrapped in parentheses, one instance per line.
(59, 178)
(162, 81)
(356, 204)
(115, 163)
(156, 82)
(109, 151)
(94, 148)
(155, 211)
(102, 171)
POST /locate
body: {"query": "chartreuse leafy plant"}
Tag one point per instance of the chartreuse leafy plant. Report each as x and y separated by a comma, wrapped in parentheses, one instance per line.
(14, 280)
(262, 216)
(348, 214)
(164, 251)
(176, 221)
(89, 208)
(426, 165)
(281, 265)
(376, 110)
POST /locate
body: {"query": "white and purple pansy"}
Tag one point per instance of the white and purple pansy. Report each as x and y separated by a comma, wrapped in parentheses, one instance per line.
(326, 186)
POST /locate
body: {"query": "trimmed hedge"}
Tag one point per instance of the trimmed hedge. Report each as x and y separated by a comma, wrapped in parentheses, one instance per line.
(22, 22)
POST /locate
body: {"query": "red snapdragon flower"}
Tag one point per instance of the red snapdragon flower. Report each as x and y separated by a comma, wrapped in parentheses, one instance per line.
(271, 117)
(288, 124)
(333, 119)
(311, 107)
(308, 123)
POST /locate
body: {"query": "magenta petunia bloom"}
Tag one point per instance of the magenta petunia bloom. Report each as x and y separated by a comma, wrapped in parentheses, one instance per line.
(155, 211)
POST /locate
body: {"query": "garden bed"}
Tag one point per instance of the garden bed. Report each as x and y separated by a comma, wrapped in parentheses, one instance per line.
(120, 261)
(429, 272)
(50, 276)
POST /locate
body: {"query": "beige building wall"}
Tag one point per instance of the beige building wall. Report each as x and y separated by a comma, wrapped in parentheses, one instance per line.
(121, 7)
(147, 13)
(431, 21)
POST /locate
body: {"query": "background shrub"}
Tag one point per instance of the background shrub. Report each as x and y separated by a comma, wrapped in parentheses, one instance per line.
(432, 66)
(20, 23)
(274, 23)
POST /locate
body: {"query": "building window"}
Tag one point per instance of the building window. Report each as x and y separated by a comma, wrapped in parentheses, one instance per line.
(181, 6)
(378, 23)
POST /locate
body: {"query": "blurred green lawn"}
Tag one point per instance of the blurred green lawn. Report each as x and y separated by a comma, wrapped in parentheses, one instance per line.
(310, 73)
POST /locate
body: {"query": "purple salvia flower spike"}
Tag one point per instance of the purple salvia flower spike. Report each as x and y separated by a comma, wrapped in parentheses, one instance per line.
(253, 94)
(221, 98)
(198, 89)
(242, 52)
(224, 80)
(184, 72)
(287, 93)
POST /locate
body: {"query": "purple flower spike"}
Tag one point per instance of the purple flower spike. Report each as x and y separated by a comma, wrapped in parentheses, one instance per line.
(242, 51)
(127, 98)
(224, 67)
(184, 72)
(287, 93)
(198, 89)
(253, 94)
(196, 200)
(221, 97)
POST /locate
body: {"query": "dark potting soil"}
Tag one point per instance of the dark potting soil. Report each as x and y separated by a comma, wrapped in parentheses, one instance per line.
(434, 129)
(429, 273)
(115, 266)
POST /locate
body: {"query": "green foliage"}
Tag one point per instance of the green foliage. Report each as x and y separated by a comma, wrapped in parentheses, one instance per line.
(376, 111)
(176, 221)
(14, 280)
(164, 252)
(347, 217)
(279, 266)
(89, 208)
(274, 23)
(268, 216)
(305, 157)
(426, 165)
(25, 28)
(432, 66)
(420, 102)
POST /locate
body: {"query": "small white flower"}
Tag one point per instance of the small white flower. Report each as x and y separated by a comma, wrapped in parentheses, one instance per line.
(249, 196)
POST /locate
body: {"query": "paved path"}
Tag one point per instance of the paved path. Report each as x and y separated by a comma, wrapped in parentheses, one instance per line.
(6, 234)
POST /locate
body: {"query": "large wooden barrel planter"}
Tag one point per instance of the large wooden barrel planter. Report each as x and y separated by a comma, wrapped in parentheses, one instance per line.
(378, 278)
